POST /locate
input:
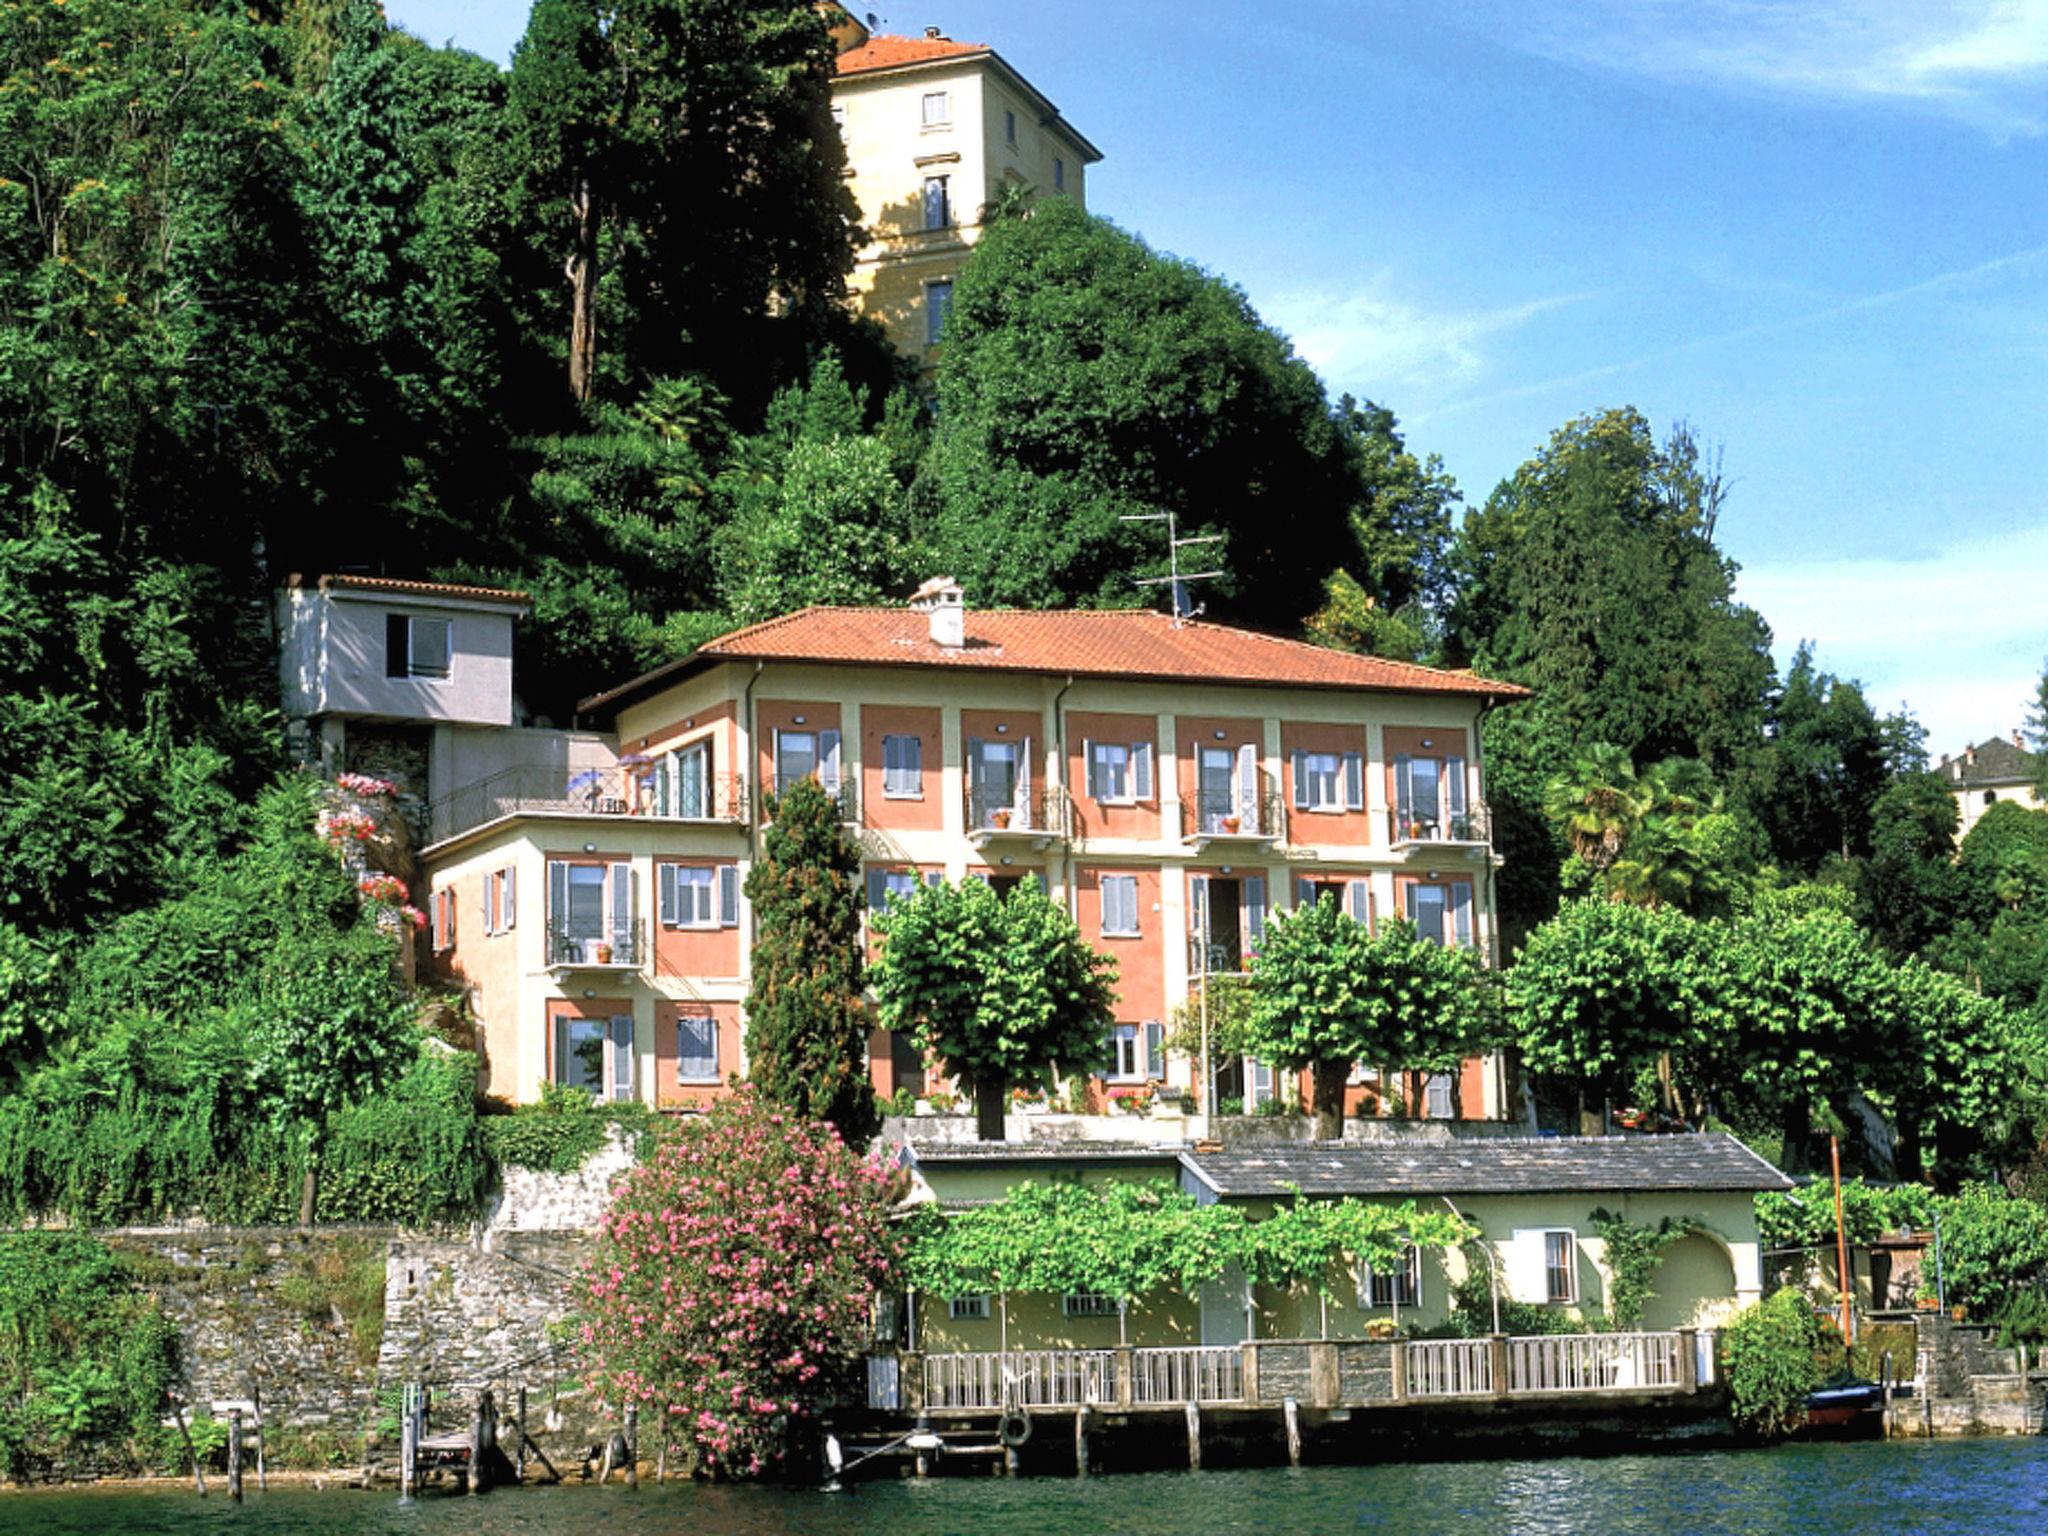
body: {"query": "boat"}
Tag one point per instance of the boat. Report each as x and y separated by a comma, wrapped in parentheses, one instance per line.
(1844, 1407)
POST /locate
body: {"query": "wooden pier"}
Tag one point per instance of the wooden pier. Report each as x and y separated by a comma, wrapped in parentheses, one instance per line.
(1306, 1396)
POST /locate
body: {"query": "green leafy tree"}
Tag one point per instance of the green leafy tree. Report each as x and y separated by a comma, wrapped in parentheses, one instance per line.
(1591, 575)
(1601, 993)
(1327, 994)
(1085, 379)
(1991, 1246)
(2037, 733)
(1773, 1360)
(1906, 890)
(1002, 989)
(807, 1022)
(1827, 762)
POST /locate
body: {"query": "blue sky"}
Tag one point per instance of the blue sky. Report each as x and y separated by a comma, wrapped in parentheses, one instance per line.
(1815, 229)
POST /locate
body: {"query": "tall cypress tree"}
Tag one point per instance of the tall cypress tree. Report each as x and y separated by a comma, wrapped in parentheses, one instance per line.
(807, 1023)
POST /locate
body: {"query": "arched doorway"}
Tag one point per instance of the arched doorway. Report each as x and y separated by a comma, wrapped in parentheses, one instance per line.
(1694, 1285)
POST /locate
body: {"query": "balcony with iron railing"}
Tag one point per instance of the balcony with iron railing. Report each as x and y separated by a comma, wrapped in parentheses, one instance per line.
(1031, 818)
(617, 947)
(627, 790)
(1467, 829)
(1234, 819)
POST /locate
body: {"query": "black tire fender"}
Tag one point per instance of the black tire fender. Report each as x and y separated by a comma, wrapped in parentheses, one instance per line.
(1014, 1428)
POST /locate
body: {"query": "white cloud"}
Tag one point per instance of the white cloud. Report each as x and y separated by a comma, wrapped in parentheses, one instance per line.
(1370, 340)
(1981, 61)
(1959, 637)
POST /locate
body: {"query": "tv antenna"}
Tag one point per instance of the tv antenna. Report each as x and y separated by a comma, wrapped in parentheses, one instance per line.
(1184, 607)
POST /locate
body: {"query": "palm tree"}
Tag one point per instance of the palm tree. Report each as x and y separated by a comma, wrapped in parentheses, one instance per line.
(1597, 804)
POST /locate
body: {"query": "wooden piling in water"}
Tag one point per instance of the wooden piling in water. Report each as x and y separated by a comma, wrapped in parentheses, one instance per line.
(1194, 1438)
(192, 1455)
(262, 1476)
(235, 1454)
(1290, 1411)
(408, 1447)
(1081, 1441)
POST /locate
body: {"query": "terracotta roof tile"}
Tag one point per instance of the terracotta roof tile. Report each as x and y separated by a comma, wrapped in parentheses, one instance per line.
(1114, 643)
(403, 588)
(895, 52)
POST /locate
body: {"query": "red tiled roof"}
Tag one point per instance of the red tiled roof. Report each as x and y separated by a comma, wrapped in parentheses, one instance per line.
(1123, 643)
(402, 588)
(895, 52)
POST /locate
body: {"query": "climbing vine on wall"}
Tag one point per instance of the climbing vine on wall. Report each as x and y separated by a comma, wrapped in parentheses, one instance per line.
(1634, 1250)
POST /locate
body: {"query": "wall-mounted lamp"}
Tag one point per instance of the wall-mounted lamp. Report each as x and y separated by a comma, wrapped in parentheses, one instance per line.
(1007, 861)
(799, 719)
(590, 847)
(1226, 869)
(1427, 742)
(1219, 735)
(590, 992)
(1002, 730)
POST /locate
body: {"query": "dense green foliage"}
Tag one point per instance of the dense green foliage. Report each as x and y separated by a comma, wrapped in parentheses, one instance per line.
(87, 1355)
(1771, 1355)
(1126, 1239)
(1633, 1250)
(1002, 989)
(1327, 992)
(807, 1021)
(560, 1132)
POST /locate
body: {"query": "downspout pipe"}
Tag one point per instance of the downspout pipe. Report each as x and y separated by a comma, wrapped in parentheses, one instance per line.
(753, 766)
(1059, 741)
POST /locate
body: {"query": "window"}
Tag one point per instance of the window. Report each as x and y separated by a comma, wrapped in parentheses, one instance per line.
(1329, 781)
(595, 1054)
(699, 896)
(1429, 799)
(415, 647)
(1442, 913)
(1119, 773)
(1087, 1304)
(1120, 906)
(1226, 789)
(938, 209)
(500, 908)
(998, 784)
(1009, 127)
(964, 1308)
(1059, 174)
(903, 767)
(696, 1048)
(887, 886)
(1400, 1288)
(800, 755)
(938, 109)
(444, 920)
(682, 782)
(938, 304)
(1560, 1266)
(591, 912)
(1137, 1052)
(1436, 1096)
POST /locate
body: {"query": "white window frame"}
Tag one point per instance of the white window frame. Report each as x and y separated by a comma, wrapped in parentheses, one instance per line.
(783, 778)
(964, 1309)
(1453, 910)
(944, 208)
(1403, 1288)
(939, 116)
(1128, 884)
(1434, 1083)
(896, 744)
(1088, 1304)
(696, 1078)
(500, 901)
(1110, 769)
(700, 882)
(1127, 1053)
(1571, 1267)
(1322, 786)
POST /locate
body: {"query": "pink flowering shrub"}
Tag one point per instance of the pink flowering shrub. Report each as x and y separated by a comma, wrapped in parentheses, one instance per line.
(733, 1285)
(365, 787)
(381, 887)
(339, 827)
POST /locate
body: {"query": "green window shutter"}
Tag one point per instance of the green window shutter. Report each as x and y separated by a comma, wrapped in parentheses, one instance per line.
(728, 895)
(1298, 762)
(1354, 781)
(665, 880)
(1141, 770)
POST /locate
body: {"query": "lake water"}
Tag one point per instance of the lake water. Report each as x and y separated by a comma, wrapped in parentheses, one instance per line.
(1983, 1487)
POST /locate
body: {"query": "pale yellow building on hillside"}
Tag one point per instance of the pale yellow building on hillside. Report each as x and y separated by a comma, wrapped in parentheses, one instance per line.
(935, 131)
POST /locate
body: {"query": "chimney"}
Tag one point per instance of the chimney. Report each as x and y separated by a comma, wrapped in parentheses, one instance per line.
(942, 602)
(1970, 756)
(2016, 741)
(933, 34)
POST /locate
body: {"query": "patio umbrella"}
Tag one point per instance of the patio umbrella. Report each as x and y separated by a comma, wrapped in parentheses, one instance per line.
(589, 778)
(639, 762)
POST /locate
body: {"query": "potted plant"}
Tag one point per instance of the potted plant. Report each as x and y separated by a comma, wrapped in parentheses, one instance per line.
(604, 953)
(1001, 817)
(1232, 823)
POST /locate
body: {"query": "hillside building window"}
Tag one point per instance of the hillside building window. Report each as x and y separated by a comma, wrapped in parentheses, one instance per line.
(1009, 127)
(903, 767)
(1120, 906)
(938, 109)
(938, 308)
(1059, 174)
(1401, 1287)
(697, 1048)
(1560, 1266)
(1119, 773)
(416, 647)
(938, 207)
(968, 1308)
(1441, 913)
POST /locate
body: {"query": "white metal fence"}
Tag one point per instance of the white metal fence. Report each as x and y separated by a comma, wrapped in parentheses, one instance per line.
(1031, 1378)
(1213, 1374)
(1449, 1367)
(1593, 1362)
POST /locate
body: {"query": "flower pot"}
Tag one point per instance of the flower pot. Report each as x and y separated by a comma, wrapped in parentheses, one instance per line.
(604, 954)
(1001, 819)
(1231, 823)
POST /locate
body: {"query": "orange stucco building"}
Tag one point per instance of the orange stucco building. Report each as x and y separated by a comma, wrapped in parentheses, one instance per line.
(1172, 784)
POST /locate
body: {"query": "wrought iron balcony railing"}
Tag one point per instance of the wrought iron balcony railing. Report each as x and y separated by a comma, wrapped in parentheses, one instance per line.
(627, 790)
